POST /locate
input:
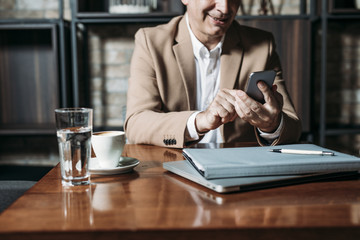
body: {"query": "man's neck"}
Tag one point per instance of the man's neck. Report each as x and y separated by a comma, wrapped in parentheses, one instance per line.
(211, 43)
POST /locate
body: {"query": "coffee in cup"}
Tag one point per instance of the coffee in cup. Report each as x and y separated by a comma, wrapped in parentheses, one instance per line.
(108, 147)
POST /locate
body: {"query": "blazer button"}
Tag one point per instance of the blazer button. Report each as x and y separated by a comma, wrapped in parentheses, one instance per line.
(173, 141)
(165, 141)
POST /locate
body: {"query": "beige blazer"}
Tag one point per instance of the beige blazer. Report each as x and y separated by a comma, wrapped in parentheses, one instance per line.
(162, 85)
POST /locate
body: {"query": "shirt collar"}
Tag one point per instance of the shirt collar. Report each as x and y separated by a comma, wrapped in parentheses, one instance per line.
(200, 51)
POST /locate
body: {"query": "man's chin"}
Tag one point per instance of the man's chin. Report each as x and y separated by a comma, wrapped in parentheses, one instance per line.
(217, 31)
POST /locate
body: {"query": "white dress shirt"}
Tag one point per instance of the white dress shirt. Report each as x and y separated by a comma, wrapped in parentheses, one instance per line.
(207, 85)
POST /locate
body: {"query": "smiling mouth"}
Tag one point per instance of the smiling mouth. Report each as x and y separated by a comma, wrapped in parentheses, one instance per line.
(220, 21)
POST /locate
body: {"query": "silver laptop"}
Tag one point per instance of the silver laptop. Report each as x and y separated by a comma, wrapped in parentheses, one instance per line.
(225, 185)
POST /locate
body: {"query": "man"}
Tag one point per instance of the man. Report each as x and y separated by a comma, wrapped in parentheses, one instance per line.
(187, 79)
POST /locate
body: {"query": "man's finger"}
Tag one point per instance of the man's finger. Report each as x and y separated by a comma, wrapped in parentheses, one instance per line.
(266, 91)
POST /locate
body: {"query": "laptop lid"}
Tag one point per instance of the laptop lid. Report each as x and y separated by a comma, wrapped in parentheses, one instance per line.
(225, 185)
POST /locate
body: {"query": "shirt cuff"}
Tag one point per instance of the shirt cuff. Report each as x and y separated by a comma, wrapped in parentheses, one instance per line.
(193, 134)
(272, 136)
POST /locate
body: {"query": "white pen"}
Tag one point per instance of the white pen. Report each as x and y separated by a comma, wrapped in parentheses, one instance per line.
(305, 152)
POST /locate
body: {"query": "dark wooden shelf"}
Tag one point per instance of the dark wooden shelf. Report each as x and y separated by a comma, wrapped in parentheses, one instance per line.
(343, 7)
(27, 129)
(273, 17)
(106, 15)
(29, 76)
(100, 9)
(342, 129)
(343, 17)
(350, 11)
(158, 18)
(33, 21)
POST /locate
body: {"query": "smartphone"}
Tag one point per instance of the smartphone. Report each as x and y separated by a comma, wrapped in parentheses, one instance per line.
(252, 89)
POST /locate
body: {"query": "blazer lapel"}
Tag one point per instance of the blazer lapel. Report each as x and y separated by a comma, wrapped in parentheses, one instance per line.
(231, 59)
(185, 58)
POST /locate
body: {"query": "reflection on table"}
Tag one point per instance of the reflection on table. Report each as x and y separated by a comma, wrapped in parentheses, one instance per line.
(153, 203)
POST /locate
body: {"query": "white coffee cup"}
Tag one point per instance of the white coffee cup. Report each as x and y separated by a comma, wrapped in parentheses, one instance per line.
(108, 147)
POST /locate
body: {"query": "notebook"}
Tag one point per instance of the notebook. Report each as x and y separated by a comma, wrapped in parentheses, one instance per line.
(260, 161)
(226, 185)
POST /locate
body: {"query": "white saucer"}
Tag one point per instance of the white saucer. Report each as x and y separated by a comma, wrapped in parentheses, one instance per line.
(126, 164)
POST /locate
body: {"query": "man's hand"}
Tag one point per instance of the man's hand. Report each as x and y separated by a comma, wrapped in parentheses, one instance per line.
(265, 117)
(220, 111)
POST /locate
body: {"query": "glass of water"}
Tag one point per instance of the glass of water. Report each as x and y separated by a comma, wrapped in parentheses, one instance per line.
(74, 130)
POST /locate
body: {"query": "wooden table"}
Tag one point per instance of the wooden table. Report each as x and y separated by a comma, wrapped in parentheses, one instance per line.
(151, 203)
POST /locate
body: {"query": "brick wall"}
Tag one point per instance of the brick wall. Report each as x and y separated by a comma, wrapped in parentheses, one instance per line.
(110, 54)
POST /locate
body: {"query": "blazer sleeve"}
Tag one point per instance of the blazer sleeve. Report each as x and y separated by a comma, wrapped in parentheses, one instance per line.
(292, 129)
(147, 120)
